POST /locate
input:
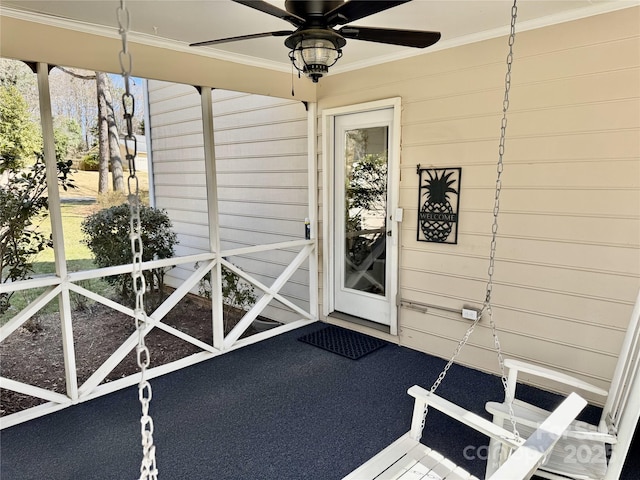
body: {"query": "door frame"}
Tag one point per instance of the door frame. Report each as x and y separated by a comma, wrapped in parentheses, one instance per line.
(393, 191)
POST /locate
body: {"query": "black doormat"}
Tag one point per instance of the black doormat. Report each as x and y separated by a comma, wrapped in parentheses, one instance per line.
(344, 342)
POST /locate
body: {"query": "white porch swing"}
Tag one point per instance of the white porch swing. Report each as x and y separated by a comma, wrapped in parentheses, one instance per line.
(407, 458)
(585, 452)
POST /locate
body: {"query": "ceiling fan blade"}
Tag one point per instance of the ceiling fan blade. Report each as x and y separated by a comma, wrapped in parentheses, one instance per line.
(357, 9)
(406, 38)
(266, 7)
(279, 33)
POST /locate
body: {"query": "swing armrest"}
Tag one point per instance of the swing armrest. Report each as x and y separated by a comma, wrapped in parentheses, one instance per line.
(531, 416)
(525, 460)
(538, 371)
(425, 398)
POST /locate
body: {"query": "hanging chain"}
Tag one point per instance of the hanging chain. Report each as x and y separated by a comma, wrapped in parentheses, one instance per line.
(148, 469)
(487, 308)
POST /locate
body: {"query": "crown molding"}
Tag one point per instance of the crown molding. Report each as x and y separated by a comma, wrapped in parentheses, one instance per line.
(140, 38)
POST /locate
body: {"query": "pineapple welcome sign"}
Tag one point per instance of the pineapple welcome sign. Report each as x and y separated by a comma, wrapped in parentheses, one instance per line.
(438, 203)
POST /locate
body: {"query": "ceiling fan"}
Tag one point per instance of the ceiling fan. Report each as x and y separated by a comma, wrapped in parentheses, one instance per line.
(315, 44)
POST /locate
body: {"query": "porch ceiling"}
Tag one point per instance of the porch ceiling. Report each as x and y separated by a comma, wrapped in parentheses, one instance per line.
(173, 24)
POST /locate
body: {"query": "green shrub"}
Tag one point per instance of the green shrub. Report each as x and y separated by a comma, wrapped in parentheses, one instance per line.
(90, 162)
(107, 236)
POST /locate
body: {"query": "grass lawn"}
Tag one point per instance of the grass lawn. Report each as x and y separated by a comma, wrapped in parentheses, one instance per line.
(87, 184)
(77, 254)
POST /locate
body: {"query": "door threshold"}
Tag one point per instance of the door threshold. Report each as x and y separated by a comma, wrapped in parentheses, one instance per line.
(360, 321)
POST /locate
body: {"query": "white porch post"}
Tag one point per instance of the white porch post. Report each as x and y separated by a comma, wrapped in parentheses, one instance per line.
(55, 216)
(212, 209)
(312, 170)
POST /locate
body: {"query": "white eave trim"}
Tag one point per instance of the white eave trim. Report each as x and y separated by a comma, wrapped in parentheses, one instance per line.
(141, 38)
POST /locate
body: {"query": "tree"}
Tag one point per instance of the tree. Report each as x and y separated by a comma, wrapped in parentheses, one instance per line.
(67, 137)
(22, 201)
(108, 116)
(103, 135)
(73, 95)
(108, 136)
(73, 98)
(20, 75)
(19, 134)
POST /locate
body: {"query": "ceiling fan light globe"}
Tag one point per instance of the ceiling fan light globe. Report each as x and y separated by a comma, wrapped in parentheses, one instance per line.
(314, 56)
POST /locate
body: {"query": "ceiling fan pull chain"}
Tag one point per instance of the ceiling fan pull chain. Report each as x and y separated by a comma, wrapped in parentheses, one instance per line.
(148, 468)
(293, 93)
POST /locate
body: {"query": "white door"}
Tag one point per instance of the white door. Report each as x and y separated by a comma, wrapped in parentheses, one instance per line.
(363, 228)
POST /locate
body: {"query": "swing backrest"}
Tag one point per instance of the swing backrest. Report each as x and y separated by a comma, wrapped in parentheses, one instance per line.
(625, 377)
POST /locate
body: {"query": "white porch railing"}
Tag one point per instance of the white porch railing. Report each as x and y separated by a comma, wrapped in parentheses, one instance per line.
(93, 386)
(62, 283)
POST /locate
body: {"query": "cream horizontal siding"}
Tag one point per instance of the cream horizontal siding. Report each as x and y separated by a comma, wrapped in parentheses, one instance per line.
(261, 164)
(568, 254)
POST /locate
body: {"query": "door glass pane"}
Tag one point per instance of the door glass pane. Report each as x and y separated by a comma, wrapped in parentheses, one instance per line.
(366, 209)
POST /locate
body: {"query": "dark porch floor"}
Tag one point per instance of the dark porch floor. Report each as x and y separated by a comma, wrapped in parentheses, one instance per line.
(279, 409)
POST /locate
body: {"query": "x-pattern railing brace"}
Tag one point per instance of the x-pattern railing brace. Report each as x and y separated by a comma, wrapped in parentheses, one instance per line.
(270, 293)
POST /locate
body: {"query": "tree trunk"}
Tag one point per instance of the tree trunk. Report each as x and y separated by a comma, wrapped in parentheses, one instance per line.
(103, 133)
(114, 145)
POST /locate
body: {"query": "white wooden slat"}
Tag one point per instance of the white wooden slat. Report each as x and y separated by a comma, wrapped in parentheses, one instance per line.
(415, 472)
(398, 470)
(444, 468)
(122, 351)
(27, 312)
(186, 337)
(270, 293)
(33, 391)
(626, 370)
(265, 248)
(515, 366)
(100, 299)
(40, 282)
(31, 413)
(464, 416)
(386, 457)
(460, 474)
(431, 460)
(109, 364)
(525, 460)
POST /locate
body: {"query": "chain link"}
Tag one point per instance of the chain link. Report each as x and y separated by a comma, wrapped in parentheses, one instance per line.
(487, 307)
(148, 468)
